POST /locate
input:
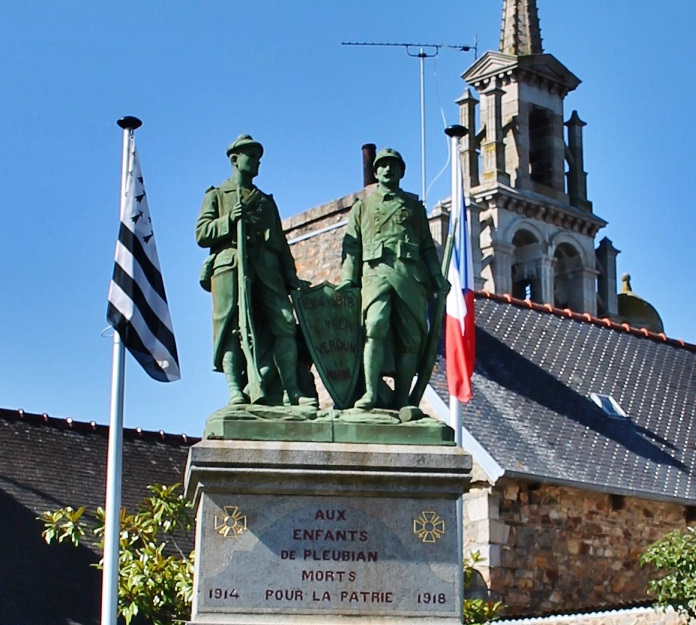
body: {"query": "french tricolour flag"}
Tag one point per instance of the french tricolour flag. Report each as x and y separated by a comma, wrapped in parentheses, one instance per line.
(460, 343)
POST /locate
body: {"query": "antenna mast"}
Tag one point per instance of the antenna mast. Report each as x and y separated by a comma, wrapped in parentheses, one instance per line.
(421, 51)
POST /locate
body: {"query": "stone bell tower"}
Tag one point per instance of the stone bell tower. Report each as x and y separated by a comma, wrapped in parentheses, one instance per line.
(524, 168)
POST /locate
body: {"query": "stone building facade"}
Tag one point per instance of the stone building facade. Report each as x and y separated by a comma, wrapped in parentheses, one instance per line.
(316, 237)
(554, 547)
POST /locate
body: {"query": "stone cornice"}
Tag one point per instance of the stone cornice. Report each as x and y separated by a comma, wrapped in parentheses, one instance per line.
(534, 206)
(543, 71)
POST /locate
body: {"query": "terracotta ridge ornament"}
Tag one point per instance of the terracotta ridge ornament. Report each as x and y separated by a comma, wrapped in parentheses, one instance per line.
(603, 322)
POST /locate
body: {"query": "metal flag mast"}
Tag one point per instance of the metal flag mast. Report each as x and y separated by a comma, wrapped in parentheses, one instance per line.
(112, 508)
(425, 51)
(457, 207)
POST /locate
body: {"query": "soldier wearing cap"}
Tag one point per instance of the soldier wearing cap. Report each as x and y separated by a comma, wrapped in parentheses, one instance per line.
(269, 275)
(389, 253)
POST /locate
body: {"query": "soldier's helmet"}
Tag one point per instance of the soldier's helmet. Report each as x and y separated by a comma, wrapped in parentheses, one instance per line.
(241, 142)
(388, 153)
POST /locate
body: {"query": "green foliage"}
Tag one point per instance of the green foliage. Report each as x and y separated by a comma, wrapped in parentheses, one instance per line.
(62, 524)
(153, 581)
(476, 610)
(675, 555)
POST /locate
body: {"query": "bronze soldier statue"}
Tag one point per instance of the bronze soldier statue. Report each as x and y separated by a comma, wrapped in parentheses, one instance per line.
(389, 252)
(250, 272)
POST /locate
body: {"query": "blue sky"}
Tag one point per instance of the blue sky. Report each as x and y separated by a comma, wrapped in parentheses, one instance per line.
(198, 74)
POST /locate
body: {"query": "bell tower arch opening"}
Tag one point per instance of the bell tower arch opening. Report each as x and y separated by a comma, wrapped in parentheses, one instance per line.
(541, 145)
(526, 267)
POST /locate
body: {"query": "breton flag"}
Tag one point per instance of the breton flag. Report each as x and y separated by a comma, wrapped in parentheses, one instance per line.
(138, 308)
(460, 338)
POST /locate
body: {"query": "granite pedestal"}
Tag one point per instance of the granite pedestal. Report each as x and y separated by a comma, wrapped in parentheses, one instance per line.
(326, 533)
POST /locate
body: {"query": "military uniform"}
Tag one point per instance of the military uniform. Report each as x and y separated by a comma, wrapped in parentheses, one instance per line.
(388, 250)
(270, 264)
(253, 339)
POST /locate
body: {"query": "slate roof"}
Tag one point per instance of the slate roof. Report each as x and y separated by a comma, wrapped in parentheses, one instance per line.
(533, 417)
(48, 463)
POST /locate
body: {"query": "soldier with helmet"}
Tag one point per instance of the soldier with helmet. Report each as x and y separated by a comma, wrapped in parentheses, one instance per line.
(249, 278)
(389, 253)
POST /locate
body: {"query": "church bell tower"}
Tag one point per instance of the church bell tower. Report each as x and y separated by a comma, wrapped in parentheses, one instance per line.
(525, 172)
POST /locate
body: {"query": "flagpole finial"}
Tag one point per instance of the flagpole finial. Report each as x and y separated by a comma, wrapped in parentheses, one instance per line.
(456, 130)
(129, 123)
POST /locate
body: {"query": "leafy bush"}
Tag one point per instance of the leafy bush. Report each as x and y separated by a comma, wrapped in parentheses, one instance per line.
(477, 610)
(153, 581)
(675, 555)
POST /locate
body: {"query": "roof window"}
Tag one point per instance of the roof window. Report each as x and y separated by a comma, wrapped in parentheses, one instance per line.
(609, 405)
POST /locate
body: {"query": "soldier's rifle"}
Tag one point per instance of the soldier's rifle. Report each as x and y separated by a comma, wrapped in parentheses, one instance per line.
(244, 308)
(430, 351)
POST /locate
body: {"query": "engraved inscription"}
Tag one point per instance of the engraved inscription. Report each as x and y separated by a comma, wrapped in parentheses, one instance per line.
(332, 557)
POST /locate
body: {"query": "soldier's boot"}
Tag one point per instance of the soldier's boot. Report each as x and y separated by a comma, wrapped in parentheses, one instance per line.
(231, 367)
(285, 356)
(405, 370)
(372, 361)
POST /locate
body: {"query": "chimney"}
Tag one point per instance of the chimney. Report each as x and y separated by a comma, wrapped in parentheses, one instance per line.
(606, 255)
(369, 151)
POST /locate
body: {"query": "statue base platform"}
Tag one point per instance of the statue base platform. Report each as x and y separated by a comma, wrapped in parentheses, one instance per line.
(322, 533)
(408, 426)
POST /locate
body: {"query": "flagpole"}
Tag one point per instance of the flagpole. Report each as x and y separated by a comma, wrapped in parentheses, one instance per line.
(455, 132)
(112, 508)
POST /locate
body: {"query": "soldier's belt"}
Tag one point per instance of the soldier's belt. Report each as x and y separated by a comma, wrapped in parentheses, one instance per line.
(382, 250)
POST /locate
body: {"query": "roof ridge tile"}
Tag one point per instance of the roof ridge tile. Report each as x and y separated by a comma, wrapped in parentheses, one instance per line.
(602, 322)
(93, 427)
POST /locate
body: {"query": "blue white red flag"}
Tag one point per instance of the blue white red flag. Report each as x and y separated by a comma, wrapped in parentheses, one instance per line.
(460, 337)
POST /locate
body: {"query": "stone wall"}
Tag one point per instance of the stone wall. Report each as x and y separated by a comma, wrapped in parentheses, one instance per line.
(316, 236)
(552, 548)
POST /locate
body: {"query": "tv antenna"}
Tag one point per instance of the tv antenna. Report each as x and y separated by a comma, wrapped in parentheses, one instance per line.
(420, 51)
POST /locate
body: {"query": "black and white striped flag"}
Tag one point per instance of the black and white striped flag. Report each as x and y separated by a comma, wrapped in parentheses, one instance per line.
(138, 308)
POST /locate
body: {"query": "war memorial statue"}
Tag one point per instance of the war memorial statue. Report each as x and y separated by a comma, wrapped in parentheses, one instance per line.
(389, 253)
(250, 273)
(374, 323)
(323, 516)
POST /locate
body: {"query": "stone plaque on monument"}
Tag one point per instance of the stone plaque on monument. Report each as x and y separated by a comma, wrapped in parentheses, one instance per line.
(362, 556)
(326, 531)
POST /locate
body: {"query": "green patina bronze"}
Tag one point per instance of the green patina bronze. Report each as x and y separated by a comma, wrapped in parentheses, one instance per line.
(330, 322)
(376, 317)
(250, 272)
(329, 426)
(389, 253)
